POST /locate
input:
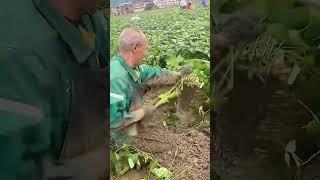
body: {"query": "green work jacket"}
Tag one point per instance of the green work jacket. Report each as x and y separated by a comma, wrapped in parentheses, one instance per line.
(123, 83)
(41, 54)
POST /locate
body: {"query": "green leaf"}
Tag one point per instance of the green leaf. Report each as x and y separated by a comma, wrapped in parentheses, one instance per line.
(308, 61)
(312, 32)
(180, 59)
(123, 170)
(153, 165)
(162, 172)
(131, 163)
(278, 31)
(171, 120)
(172, 62)
(291, 146)
(117, 156)
(296, 40)
(135, 157)
(114, 163)
(297, 18)
(113, 157)
(261, 5)
(278, 10)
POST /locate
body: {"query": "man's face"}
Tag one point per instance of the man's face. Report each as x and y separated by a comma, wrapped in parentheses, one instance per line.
(140, 51)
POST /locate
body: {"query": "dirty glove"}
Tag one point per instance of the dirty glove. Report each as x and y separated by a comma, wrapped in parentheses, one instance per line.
(165, 79)
(145, 113)
(148, 115)
(169, 78)
(148, 111)
(185, 70)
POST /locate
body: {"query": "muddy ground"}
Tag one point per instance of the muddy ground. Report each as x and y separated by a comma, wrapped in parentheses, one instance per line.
(183, 145)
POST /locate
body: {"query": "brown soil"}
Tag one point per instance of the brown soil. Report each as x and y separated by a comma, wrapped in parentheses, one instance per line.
(181, 147)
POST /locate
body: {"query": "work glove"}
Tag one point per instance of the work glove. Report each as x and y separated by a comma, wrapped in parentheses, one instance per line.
(185, 70)
(169, 78)
(142, 115)
(148, 111)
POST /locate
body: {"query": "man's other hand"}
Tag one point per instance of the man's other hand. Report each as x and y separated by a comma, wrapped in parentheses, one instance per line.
(185, 70)
(148, 111)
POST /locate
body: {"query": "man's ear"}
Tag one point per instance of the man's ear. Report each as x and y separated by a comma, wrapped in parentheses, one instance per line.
(135, 47)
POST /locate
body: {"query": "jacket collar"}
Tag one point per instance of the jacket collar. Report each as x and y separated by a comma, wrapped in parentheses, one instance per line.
(129, 69)
(70, 34)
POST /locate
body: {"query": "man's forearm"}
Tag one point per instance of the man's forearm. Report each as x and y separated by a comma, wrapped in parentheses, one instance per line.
(169, 77)
(164, 79)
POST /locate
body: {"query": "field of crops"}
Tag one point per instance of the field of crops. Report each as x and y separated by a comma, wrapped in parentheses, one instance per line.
(176, 38)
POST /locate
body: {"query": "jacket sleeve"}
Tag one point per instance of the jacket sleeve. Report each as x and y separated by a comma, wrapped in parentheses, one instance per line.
(24, 128)
(119, 113)
(158, 76)
(117, 102)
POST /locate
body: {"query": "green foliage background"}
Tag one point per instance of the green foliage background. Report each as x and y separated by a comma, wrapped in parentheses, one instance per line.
(176, 37)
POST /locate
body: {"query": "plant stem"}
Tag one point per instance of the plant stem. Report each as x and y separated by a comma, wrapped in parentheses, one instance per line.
(312, 157)
(178, 85)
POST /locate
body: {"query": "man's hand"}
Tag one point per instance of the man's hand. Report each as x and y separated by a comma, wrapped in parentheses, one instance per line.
(144, 114)
(148, 111)
(185, 70)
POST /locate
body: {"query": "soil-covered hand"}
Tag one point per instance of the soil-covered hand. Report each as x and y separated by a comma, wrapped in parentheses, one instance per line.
(185, 70)
(148, 111)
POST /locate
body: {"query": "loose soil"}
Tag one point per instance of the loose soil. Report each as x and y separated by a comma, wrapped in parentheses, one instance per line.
(182, 146)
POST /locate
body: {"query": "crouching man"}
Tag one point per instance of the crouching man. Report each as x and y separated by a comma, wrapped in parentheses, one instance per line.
(127, 79)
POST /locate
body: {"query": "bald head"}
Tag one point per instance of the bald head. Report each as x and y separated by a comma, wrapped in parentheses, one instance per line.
(130, 37)
(133, 46)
